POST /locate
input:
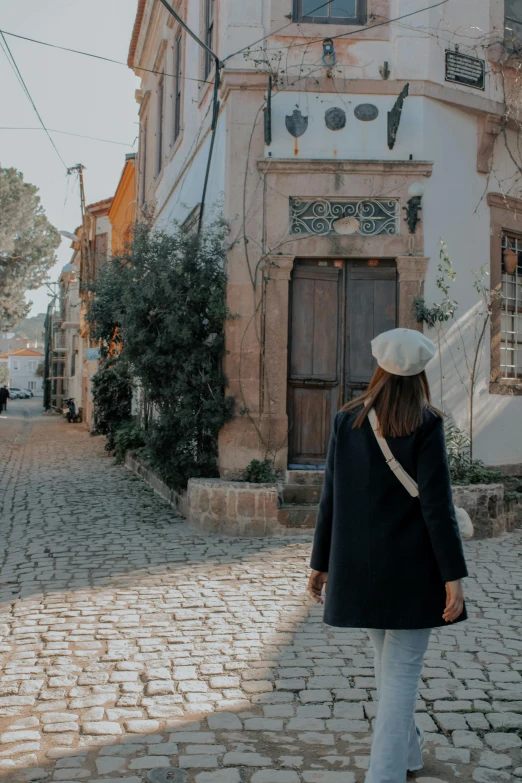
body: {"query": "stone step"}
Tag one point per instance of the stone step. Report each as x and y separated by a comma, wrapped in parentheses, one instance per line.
(302, 494)
(295, 516)
(305, 477)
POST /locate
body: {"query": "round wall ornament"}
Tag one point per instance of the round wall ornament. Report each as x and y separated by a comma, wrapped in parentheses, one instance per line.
(335, 118)
(347, 225)
(366, 112)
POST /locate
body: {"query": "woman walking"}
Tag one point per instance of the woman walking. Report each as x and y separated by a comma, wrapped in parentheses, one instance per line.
(392, 562)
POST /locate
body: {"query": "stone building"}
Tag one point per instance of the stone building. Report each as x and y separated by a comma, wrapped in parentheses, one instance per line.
(349, 137)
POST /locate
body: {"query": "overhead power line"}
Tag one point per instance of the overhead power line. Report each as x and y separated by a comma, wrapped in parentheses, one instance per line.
(66, 133)
(16, 69)
(99, 57)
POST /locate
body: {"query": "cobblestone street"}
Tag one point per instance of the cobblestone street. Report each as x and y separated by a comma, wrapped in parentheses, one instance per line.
(131, 643)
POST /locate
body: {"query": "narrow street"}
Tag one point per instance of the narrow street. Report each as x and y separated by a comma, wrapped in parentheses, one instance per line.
(129, 642)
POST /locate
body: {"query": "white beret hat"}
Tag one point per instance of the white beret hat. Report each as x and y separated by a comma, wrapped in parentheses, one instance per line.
(403, 351)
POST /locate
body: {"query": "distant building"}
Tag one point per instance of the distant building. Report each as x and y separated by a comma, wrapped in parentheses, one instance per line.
(23, 365)
(122, 214)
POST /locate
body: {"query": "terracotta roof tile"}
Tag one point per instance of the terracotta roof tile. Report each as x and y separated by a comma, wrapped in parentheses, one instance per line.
(21, 352)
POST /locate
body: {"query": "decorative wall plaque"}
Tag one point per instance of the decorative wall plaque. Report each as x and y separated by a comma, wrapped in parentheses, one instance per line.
(335, 118)
(394, 116)
(465, 69)
(368, 217)
(296, 124)
(366, 112)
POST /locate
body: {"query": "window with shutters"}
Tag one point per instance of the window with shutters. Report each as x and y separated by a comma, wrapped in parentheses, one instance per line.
(177, 84)
(159, 135)
(32, 366)
(511, 308)
(513, 24)
(330, 11)
(16, 364)
(209, 35)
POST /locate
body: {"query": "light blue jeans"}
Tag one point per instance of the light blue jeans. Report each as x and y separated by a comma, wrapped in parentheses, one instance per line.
(399, 656)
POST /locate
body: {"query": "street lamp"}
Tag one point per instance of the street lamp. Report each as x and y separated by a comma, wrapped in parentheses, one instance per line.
(414, 205)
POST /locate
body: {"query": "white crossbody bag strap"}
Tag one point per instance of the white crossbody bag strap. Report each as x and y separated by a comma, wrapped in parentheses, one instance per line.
(406, 480)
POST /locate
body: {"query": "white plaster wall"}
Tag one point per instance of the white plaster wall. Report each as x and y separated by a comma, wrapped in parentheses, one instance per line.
(455, 209)
(181, 187)
(358, 140)
(20, 378)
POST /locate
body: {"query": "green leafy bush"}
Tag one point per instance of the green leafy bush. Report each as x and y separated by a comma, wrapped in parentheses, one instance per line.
(260, 472)
(161, 308)
(464, 469)
(112, 397)
(128, 437)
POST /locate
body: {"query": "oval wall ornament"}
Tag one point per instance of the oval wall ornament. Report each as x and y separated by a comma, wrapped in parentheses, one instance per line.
(366, 112)
(335, 118)
(346, 225)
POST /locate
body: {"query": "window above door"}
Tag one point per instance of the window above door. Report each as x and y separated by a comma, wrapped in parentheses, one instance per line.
(330, 11)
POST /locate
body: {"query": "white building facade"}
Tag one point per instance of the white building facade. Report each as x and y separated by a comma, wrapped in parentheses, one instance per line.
(350, 136)
(23, 365)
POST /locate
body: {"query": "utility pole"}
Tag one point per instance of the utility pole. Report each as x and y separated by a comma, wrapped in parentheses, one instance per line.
(85, 270)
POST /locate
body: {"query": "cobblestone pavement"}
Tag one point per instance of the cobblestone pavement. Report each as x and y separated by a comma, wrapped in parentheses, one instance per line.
(131, 643)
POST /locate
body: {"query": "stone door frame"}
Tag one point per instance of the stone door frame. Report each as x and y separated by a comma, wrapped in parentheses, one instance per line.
(329, 179)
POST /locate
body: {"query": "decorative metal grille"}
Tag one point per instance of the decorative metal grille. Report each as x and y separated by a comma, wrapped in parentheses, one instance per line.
(367, 217)
(511, 318)
(464, 69)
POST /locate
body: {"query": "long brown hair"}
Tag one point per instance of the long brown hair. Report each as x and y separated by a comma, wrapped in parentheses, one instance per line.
(399, 402)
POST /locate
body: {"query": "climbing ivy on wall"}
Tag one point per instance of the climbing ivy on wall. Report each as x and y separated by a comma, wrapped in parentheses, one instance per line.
(161, 308)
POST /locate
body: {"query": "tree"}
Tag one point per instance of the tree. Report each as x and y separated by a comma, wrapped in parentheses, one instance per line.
(4, 374)
(28, 243)
(159, 313)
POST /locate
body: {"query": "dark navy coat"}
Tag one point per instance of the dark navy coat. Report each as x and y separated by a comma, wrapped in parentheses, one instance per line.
(388, 555)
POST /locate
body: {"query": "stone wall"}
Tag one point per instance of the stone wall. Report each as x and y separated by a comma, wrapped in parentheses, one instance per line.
(240, 508)
(485, 504)
(234, 507)
(177, 500)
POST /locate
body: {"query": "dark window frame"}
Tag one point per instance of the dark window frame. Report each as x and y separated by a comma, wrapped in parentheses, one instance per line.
(208, 36)
(360, 17)
(159, 135)
(178, 83)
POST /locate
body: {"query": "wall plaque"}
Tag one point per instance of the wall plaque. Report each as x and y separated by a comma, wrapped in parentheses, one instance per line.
(366, 112)
(465, 69)
(335, 118)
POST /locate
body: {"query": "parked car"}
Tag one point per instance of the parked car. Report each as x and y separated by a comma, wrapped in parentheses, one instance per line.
(14, 395)
(21, 393)
(29, 392)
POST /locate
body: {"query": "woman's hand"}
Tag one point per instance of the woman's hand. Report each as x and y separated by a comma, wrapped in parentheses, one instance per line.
(454, 601)
(317, 581)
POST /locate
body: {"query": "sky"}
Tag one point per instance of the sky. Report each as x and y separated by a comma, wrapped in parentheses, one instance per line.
(72, 93)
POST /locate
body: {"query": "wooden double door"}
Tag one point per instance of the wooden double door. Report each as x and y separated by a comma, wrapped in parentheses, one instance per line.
(336, 309)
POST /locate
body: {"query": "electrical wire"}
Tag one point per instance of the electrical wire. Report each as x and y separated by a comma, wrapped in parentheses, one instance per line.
(67, 133)
(16, 69)
(100, 57)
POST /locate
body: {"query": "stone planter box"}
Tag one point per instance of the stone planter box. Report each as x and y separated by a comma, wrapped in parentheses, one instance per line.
(177, 500)
(490, 513)
(234, 507)
(240, 508)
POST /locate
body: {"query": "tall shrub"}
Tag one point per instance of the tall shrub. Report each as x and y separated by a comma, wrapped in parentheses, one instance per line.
(162, 308)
